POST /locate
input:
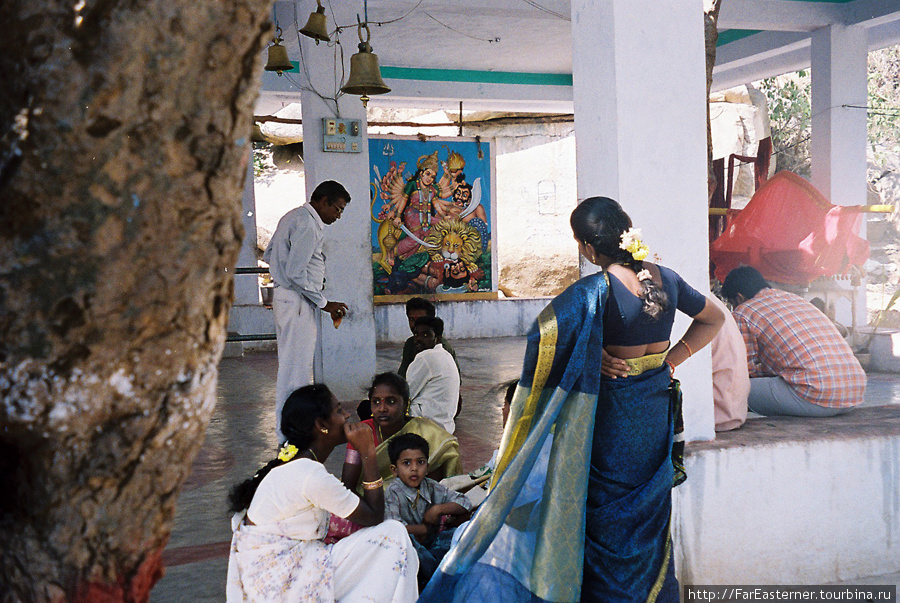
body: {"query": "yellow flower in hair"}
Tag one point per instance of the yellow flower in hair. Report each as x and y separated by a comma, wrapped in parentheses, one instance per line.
(641, 254)
(632, 243)
(287, 452)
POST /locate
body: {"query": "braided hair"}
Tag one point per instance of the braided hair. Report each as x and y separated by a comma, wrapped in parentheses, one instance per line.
(600, 223)
(298, 423)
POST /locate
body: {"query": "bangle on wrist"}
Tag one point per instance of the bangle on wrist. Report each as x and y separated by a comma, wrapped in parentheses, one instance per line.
(373, 485)
(690, 351)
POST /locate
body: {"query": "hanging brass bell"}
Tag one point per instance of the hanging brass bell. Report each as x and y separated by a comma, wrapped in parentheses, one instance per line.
(278, 58)
(365, 75)
(317, 25)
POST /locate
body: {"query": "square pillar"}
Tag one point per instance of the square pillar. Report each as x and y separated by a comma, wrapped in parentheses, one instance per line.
(639, 90)
(345, 356)
(246, 286)
(838, 139)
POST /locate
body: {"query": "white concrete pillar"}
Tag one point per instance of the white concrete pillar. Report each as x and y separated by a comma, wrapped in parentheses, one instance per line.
(346, 356)
(838, 140)
(839, 57)
(246, 286)
(640, 133)
(248, 316)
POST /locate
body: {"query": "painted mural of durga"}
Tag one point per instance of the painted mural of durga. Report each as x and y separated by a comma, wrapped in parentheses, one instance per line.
(431, 231)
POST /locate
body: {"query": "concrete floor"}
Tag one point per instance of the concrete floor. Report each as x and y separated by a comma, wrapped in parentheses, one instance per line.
(240, 439)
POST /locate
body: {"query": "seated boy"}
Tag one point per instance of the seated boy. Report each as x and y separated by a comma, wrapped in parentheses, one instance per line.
(416, 308)
(429, 510)
(433, 377)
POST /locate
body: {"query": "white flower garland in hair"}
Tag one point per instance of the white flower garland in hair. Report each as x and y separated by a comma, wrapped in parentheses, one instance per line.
(632, 243)
(644, 275)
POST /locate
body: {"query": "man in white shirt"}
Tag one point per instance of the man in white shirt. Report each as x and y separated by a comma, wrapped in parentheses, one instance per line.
(433, 376)
(297, 265)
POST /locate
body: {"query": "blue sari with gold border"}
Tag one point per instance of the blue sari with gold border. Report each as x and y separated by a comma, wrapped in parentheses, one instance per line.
(527, 540)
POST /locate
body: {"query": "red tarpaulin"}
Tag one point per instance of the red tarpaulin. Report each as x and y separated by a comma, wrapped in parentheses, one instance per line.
(791, 234)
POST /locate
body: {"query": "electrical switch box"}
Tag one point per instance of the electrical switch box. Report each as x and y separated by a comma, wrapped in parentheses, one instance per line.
(341, 135)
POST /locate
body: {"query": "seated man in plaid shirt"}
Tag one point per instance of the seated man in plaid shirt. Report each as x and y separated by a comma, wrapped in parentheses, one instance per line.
(799, 364)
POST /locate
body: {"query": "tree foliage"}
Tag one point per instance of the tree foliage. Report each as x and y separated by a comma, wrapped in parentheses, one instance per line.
(884, 100)
(788, 97)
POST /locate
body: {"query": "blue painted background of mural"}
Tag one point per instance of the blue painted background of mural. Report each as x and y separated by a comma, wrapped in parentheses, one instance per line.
(431, 216)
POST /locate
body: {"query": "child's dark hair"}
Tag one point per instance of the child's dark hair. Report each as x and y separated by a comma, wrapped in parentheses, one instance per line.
(600, 222)
(420, 303)
(392, 380)
(298, 421)
(509, 388)
(406, 441)
(432, 322)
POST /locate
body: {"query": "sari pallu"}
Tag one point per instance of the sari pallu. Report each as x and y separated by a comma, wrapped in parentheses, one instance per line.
(527, 540)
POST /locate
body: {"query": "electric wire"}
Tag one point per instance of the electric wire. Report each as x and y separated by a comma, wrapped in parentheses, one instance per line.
(488, 40)
(339, 74)
(544, 9)
(379, 23)
(875, 110)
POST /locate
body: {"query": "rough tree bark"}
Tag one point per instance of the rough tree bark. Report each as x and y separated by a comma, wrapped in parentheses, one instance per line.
(711, 34)
(124, 136)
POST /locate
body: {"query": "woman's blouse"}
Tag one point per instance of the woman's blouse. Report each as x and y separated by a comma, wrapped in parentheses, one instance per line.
(625, 323)
(296, 499)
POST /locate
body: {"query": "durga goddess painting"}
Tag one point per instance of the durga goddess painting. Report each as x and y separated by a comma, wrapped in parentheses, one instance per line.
(411, 207)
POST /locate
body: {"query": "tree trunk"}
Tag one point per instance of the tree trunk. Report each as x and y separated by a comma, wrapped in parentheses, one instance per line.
(124, 136)
(710, 21)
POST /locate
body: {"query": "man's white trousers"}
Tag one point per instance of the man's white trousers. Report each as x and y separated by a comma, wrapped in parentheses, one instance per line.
(296, 329)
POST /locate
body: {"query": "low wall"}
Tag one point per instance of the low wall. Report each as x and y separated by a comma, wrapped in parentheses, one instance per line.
(250, 319)
(787, 500)
(507, 317)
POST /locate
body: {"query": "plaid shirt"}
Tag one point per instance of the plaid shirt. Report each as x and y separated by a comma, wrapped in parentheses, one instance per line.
(787, 336)
(408, 505)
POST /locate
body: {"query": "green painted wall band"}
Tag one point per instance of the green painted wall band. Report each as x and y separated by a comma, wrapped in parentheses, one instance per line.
(480, 77)
(732, 35)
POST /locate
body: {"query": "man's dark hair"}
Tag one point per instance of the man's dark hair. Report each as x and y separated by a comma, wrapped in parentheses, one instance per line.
(436, 324)
(406, 441)
(745, 280)
(419, 303)
(330, 191)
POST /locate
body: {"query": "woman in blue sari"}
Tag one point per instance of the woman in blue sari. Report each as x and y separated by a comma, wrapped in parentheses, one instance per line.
(580, 501)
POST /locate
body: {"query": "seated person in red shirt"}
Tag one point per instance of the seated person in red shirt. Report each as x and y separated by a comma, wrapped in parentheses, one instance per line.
(798, 362)
(389, 399)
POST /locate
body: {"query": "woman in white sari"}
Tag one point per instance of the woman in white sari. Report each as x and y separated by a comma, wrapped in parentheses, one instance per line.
(282, 515)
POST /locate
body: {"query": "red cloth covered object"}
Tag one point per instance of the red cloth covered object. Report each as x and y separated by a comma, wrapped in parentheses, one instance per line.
(791, 234)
